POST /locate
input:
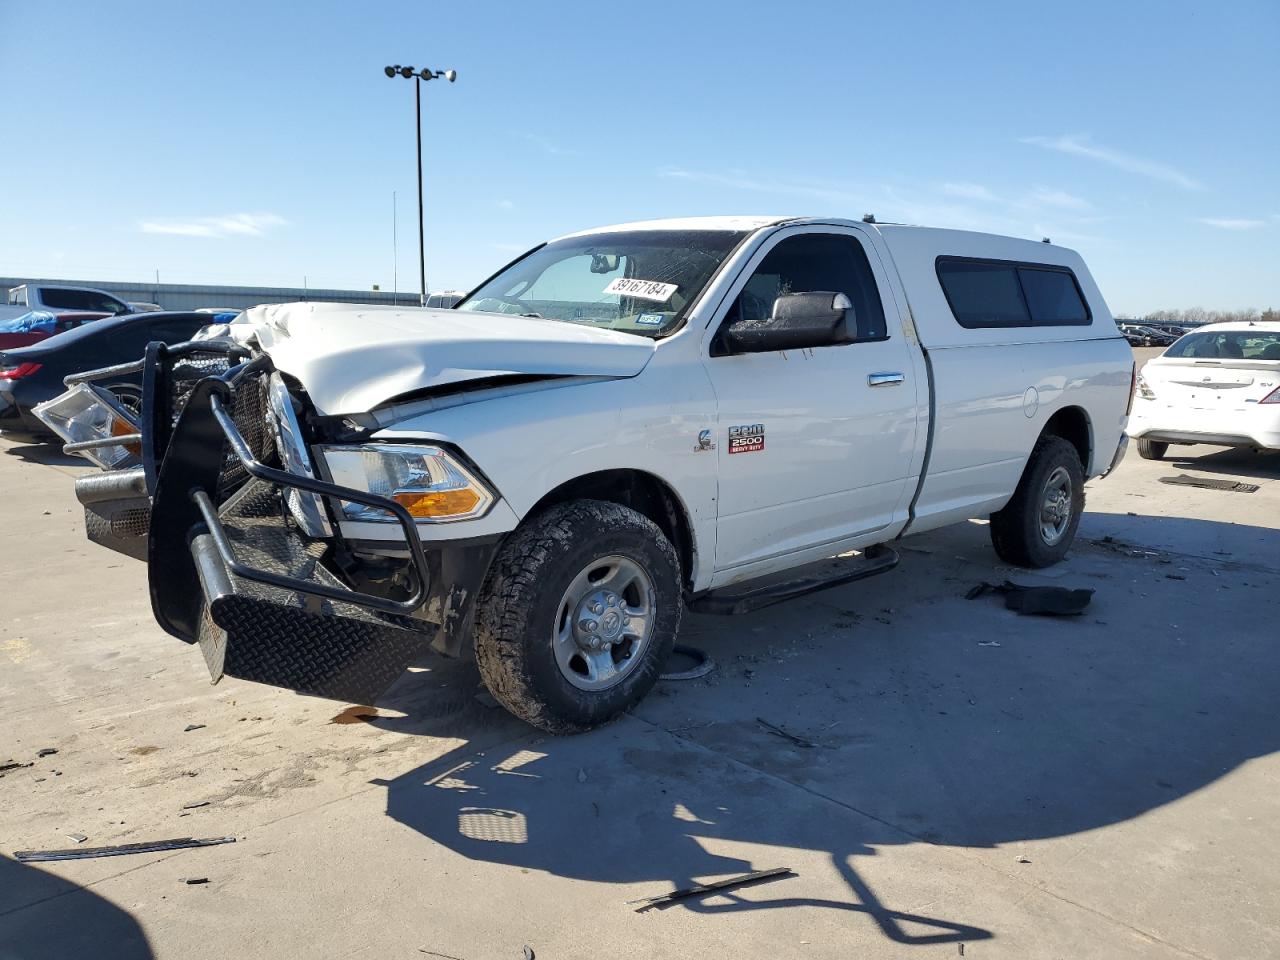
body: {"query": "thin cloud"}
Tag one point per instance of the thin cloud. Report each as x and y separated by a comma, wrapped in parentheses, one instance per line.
(504, 204)
(1231, 223)
(233, 225)
(740, 180)
(970, 191)
(1083, 146)
(552, 148)
(1044, 197)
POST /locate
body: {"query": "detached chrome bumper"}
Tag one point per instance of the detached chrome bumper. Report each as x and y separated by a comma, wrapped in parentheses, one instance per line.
(117, 510)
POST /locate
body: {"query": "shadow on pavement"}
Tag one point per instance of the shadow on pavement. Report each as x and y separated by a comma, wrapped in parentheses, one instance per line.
(44, 916)
(923, 730)
(1231, 462)
(49, 454)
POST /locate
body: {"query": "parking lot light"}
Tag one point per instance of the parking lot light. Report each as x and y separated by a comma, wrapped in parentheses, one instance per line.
(426, 73)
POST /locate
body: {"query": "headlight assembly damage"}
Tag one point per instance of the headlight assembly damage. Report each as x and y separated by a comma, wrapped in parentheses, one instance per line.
(428, 481)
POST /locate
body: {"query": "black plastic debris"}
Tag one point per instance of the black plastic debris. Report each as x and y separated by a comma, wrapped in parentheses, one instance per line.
(1208, 483)
(192, 726)
(715, 886)
(14, 765)
(84, 853)
(702, 664)
(46, 751)
(1036, 601)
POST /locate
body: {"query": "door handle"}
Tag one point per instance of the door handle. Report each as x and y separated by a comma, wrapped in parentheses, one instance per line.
(884, 379)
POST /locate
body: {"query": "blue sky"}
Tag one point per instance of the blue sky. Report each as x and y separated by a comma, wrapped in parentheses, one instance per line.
(249, 142)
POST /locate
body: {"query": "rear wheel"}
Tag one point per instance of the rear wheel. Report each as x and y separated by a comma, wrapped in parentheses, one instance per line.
(1152, 449)
(1038, 525)
(578, 614)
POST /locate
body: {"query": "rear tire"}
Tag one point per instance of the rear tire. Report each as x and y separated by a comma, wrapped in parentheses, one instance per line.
(1038, 525)
(579, 563)
(1152, 449)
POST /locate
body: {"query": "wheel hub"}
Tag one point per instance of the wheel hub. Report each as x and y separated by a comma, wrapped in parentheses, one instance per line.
(605, 622)
(1056, 506)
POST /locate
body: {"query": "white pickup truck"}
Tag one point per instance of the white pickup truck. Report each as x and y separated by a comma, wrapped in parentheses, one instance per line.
(618, 425)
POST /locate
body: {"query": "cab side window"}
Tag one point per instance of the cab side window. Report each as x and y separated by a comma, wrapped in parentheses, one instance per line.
(812, 262)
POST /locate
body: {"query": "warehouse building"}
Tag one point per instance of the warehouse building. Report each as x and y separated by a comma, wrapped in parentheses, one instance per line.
(188, 296)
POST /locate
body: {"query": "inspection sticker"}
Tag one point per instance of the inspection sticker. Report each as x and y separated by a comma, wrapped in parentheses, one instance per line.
(644, 289)
(746, 439)
(650, 319)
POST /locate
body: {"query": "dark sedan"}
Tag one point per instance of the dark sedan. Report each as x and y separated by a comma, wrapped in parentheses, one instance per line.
(31, 375)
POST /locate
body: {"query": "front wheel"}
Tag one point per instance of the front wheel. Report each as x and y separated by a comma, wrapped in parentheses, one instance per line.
(1038, 525)
(578, 614)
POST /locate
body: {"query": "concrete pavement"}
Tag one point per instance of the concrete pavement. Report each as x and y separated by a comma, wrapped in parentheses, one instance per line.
(1104, 786)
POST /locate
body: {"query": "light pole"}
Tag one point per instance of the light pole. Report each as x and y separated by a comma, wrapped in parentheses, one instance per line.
(420, 75)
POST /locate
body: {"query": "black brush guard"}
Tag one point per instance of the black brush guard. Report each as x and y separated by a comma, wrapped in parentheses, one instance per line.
(237, 577)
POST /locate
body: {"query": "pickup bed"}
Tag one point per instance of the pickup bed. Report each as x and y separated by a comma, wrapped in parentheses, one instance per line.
(618, 425)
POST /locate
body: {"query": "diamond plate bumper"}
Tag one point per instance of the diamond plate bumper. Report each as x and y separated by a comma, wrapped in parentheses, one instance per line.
(268, 634)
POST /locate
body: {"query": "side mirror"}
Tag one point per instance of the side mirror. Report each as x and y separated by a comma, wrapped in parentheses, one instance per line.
(820, 318)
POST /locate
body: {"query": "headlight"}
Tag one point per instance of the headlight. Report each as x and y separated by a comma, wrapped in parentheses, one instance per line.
(1145, 391)
(85, 413)
(427, 481)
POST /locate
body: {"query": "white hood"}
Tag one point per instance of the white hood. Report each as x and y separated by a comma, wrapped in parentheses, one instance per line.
(352, 358)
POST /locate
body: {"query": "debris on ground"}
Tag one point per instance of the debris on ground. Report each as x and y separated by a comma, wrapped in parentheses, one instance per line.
(13, 765)
(193, 726)
(76, 837)
(716, 885)
(702, 664)
(46, 751)
(528, 952)
(193, 806)
(355, 714)
(192, 881)
(84, 853)
(1023, 860)
(1036, 601)
(1208, 483)
(779, 732)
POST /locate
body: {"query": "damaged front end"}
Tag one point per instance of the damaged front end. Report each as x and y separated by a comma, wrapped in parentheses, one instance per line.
(241, 537)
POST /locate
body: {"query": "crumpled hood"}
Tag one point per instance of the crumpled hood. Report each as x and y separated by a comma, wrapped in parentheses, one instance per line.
(352, 357)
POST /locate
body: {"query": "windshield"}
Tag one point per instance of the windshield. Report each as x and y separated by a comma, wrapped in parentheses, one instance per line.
(635, 281)
(1229, 345)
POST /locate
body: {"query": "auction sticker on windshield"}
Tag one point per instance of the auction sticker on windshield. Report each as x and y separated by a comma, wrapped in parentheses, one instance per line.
(644, 289)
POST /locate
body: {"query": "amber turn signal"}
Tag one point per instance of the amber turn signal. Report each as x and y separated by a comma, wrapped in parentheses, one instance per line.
(440, 503)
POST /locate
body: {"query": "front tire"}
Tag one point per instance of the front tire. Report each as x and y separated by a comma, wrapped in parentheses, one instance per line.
(1038, 525)
(1152, 449)
(578, 614)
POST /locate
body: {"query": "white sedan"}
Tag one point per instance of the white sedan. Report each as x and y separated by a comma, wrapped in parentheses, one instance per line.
(1218, 385)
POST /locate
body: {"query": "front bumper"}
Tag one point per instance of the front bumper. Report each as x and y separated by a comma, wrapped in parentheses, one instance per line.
(230, 569)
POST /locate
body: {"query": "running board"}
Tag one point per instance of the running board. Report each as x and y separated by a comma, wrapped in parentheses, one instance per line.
(766, 591)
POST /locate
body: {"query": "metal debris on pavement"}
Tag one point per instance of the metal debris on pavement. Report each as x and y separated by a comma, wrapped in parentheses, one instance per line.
(713, 887)
(76, 837)
(1208, 483)
(778, 731)
(84, 853)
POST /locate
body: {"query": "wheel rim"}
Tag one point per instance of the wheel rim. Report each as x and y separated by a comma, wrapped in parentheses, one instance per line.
(604, 623)
(131, 402)
(1056, 507)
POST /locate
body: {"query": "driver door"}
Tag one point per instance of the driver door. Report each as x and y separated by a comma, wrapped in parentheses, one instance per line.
(814, 445)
